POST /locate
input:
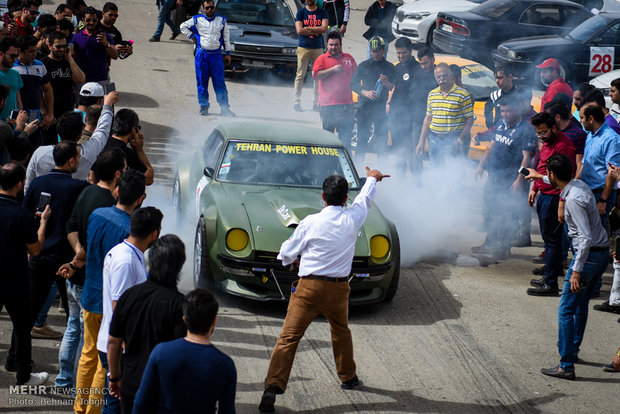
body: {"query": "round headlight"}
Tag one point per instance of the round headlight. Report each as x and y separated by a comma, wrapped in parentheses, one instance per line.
(379, 247)
(237, 239)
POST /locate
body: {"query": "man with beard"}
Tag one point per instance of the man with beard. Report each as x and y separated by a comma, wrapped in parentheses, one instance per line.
(337, 14)
(554, 142)
(550, 76)
(333, 71)
(106, 24)
(93, 49)
(512, 148)
(310, 23)
(63, 73)
(590, 261)
(9, 76)
(30, 11)
(209, 33)
(124, 266)
(20, 234)
(107, 227)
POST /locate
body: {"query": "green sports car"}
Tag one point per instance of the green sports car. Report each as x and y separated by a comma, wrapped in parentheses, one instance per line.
(249, 186)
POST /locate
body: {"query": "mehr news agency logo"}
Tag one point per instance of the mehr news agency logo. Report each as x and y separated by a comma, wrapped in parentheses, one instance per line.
(22, 395)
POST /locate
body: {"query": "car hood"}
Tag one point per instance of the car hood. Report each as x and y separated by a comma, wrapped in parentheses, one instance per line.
(277, 211)
(538, 42)
(263, 35)
(434, 6)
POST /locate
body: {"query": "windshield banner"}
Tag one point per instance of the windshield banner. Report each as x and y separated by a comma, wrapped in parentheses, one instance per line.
(286, 149)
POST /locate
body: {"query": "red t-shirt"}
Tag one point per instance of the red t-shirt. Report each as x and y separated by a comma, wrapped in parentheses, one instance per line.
(336, 88)
(23, 29)
(561, 145)
(555, 87)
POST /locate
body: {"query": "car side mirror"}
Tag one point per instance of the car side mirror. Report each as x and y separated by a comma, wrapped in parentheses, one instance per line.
(208, 172)
(362, 181)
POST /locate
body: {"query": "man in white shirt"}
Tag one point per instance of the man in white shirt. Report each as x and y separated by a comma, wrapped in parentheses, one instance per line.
(326, 242)
(124, 267)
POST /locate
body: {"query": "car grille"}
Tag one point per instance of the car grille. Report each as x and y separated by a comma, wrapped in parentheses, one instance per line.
(400, 15)
(262, 50)
(272, 258)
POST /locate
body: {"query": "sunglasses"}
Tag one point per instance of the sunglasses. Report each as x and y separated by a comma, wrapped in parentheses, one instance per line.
(209, 7)
(60, 46)
(14, 56)
(34, 12)
(90, 20)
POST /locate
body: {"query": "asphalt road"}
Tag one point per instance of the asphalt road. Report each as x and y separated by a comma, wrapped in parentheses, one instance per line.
(457, 338)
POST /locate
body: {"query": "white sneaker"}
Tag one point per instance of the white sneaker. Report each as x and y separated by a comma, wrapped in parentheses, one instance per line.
(37, 378)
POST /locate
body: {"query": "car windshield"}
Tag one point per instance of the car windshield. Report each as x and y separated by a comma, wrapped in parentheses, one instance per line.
(494, 8)
(478, 80)
(284, 164)
(589, 28)
(272, 12)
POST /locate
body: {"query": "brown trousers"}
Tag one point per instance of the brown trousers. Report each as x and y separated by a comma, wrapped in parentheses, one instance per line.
(312, 298)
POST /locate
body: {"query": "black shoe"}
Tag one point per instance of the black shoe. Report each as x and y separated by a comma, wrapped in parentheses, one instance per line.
(543, 290)
(610, 368)
(154, 39)
(537, 282)
(540, 259)
(227, 112)
(539, 271)
(555, 372)
(174, 35)
(606, 307)
(269, 399)
(298, 108)
(204, 110)
(350, 384)
(522, 241)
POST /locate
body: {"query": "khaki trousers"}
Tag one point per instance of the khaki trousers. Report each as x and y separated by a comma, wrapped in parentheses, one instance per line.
(312, 298)
(304, 56)
(90, 379)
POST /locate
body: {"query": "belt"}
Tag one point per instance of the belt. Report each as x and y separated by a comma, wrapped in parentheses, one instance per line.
(598, 190)
(599, 248)
(327, 278)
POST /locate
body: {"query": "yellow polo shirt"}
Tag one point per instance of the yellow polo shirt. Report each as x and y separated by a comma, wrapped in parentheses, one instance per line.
(448, 114)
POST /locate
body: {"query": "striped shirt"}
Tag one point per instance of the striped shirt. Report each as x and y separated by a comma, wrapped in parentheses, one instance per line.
(448, 113)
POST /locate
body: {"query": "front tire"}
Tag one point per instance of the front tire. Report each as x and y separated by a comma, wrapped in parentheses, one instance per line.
(203, 278)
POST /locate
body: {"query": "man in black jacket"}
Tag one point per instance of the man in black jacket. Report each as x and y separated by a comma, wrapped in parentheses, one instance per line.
(338, 14)
(379, 17)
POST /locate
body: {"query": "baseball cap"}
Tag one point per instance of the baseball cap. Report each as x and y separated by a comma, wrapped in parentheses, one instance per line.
(92, 89)
(376, 43)
(550, 63)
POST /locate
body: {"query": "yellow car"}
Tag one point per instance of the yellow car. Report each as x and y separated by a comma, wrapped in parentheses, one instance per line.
(479, 81)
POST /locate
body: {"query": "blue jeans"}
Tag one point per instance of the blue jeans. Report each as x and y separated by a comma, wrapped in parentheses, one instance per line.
(611, 201)
(552, 232)
(72, 340)
(442, 146)
(573, 308)
(111, 405)
(164, 17)
(46, 306)
(210, 65)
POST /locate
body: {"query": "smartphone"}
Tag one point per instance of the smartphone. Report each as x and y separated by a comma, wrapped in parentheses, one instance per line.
(524, 171)
(14, 114)
(33, 115)
(44, 200)
(109, 87)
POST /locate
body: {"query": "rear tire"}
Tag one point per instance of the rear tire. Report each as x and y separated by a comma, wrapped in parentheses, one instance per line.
(203, 278)
(429, 39)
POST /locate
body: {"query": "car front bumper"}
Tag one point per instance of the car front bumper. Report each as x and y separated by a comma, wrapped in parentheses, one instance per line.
(270, 281)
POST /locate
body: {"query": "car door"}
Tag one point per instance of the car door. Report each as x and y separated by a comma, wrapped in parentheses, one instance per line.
(210, 155)
(540, 19)
(608, 38)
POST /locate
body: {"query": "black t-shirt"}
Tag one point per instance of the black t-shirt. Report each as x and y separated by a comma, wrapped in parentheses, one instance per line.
(403, 79)
(145, 315)
(89, 200)
(61, 79)
(424, 83)
(133, 161)
(112, 31)
(366, 77)
(18, 227)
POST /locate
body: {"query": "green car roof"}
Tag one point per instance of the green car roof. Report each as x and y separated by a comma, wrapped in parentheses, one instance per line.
(277, 132)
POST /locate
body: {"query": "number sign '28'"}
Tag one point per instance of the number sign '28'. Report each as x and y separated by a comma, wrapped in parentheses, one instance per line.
(601, 60)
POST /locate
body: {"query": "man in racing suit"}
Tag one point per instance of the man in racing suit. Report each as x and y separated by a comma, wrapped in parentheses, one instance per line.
(209, 33)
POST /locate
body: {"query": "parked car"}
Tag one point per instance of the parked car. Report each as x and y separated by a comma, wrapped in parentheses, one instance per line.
(249, 186)
(416, 20)
(476, 33)
(603, 82)
(262, 35)
(574, 51)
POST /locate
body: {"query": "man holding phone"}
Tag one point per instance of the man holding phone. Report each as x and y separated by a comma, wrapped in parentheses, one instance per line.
(93, 48)
(551, 229)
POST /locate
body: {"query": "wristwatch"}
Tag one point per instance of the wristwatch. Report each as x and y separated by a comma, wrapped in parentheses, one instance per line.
(602, 200)
(115, 379)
